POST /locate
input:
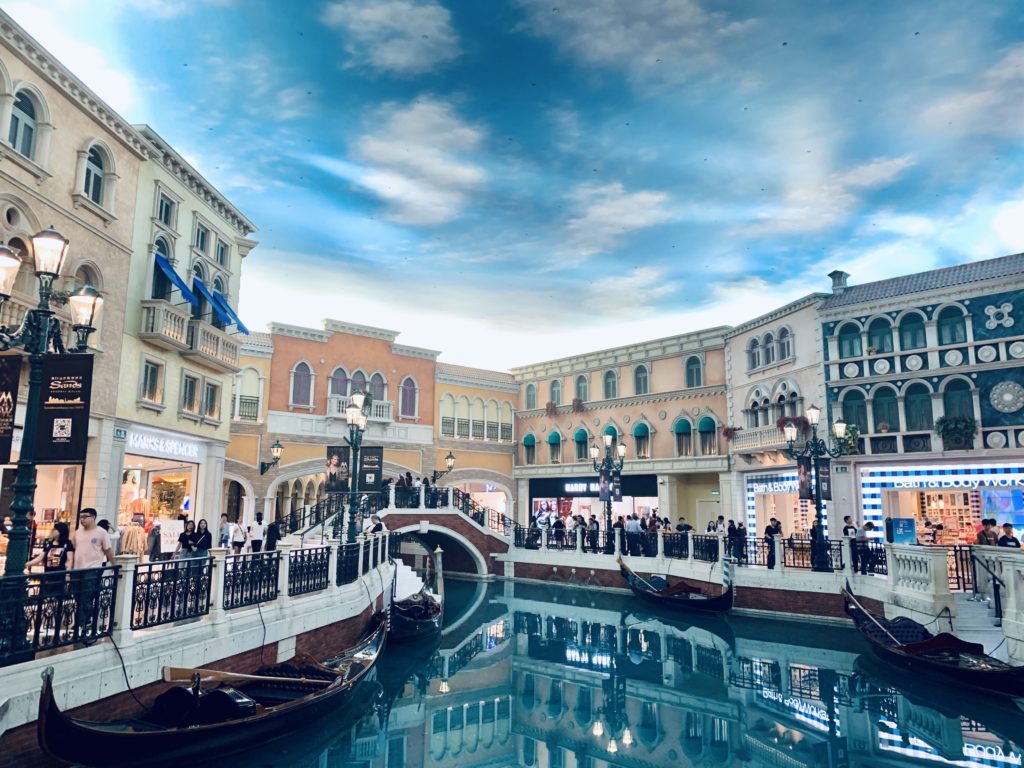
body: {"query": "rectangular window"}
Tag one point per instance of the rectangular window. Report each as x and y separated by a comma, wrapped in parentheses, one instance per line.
(643, 447)
(190, 394)
(556, 452)
(165, 210)
(222, 252)
(211, 401)
(530, 454)
(202, 238)
(152, 382)
(582, 450)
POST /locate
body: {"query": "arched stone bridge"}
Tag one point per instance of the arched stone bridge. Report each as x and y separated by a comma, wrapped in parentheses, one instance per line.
(468, 546)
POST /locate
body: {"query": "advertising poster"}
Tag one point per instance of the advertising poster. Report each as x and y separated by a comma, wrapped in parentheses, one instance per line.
(337, 469)
(616, 486)
(825, 478)
(63, 433)
(904, 530)
(803, 475)
(170, 530)
(603, 486)
(10, 373)
(371, 469)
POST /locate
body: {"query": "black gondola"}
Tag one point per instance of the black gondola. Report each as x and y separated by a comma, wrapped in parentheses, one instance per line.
(680, 597)
(906, 643)
(417, 616)
(187, 725)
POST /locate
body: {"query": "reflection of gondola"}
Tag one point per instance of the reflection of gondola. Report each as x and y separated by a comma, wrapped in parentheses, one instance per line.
(186, 725)
(711, 630)
(905, 643)
(876, 678)
(680, 597)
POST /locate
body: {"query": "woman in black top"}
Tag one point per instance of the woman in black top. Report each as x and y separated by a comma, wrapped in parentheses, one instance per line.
(203, 540)
(186, 541)
(58, 552)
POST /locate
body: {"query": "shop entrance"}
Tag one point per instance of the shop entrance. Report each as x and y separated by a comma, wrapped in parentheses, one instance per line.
(155, 488)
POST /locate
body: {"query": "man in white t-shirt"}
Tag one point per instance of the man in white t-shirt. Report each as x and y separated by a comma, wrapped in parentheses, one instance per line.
(92, 543)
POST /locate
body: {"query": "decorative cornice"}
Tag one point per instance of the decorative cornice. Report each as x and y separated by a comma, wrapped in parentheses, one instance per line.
(339, 326)
(20, 42)
(196, 183)
(468, 381)
(298, 332)
(656, 397)
(809, 300)
(913, 300)
(419, 352)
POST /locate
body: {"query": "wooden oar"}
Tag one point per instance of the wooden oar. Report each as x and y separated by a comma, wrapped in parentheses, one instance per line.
(867, 613)
(638, 577)
(187, 675)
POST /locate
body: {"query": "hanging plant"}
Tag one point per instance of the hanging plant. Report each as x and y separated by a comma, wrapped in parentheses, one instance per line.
(800, 422)
(849, 440)
(551, 408)
(729, 433)
(577, 405)
(957, 432)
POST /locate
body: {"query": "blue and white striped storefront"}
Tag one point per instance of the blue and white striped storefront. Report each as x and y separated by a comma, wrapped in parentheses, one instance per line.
(781, 482)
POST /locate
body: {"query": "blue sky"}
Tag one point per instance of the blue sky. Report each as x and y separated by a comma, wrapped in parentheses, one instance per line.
(510, 181)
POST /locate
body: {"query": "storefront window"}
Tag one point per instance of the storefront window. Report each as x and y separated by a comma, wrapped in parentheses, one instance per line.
(885, 410)
(918, 405)
(957, 400)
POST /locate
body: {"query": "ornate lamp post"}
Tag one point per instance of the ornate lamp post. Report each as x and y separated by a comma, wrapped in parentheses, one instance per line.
(614, 711)
(607, 466)
(449, 462)
(39, 335)
(275, 456)
(357, 413)
(816, 448)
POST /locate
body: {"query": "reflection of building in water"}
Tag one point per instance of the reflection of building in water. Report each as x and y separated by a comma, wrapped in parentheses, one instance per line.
(545, 685)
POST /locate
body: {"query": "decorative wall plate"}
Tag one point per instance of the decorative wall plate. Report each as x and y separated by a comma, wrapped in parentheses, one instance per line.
(625, 419)
(1017, 349)
(953, 357)
(882, 366)
(662, 415)
(987, 354)
(850, 370)
(1007, 397)
(914, 363)
(995, 440)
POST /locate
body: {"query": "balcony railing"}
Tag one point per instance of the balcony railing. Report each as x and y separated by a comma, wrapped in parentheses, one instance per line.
(167, 591)
(247, 408)
(758, 439)
(214, 348)
(380, 410)
(251, 578)
(164, 325)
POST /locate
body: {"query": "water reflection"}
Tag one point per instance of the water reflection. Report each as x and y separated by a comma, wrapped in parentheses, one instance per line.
(561, 677)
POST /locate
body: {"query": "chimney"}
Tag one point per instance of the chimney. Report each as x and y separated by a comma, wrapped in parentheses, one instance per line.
(838, 281)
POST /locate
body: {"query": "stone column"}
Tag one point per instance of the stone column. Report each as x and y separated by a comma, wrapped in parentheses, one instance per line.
(282, 573)
(124, 600)
(219, 555)
(689, 544)
(780, 564)
(334, 546)
(579, 540)
(361, 539)
(660, 539)
(544, 538)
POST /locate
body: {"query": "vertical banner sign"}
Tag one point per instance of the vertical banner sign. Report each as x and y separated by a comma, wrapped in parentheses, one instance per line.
(803, 477)
(10, 373)
(603, 486)
(825, 478)
(63, 432)
(371, 467)
(616, 486)
(337, 469)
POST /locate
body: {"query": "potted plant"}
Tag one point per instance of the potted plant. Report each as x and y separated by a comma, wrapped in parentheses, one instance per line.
(729, 433)
(883, 426)
(577, 405)
(551, 408)
(872, 350)
(800, 422)
(849, 440)
(957, 432)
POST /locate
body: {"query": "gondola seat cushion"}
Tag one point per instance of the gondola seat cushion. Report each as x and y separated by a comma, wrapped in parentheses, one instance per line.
(224, 704)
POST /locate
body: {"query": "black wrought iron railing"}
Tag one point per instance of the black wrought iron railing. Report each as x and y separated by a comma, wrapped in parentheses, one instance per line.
(250, 578)
(803, 553)
(677, 545)
(395, 545)
(170, 590)
(485, 516)
(755, 673)
(597, 542)
(868, 557)
(960, 568)
(527, 538)
(348, 563)
(561, 538)
(705, 548)
(756, 552)
(308, 570)
(50, 610)
(994, 584)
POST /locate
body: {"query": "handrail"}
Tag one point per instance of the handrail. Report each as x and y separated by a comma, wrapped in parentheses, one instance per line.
(976, 560)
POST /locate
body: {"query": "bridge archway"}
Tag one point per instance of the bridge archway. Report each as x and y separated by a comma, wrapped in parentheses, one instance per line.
(460, 554)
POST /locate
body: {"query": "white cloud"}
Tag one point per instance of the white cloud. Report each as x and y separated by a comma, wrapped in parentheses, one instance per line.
(401, 37)
(415, 158)
(815, 203)
(630, 293)
(606, 213)
(995, 107)
(901, 224)
(1008, 224)
(664, 40)
(258, 76)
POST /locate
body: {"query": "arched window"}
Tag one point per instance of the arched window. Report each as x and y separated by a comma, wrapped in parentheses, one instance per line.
(785, 344)
(338, 383)
(302, 385)
(94, 176)
(378, 388)
(161, 285)
(752, 416)
(529, 449)
(694, 373)
(407, 398)
(855, 410)
(555, 447)
(22, 133)
(912, 335)
(248, 392)
(880, 335)
(581, 438)
(640, 382)
(215, 317)
(794, 404)
(849, 341)
(708, 431)
(884, 409)
(611, 386)
(611, 430)
(642, 437)
(917, 402)
(957, 400)
(684, 437)
(952, 328)
(505, 432)
(555, 391)
(768, 348)
(753, 354)
(582, 389)
(201, 308)
(531, 396)
(358, 383)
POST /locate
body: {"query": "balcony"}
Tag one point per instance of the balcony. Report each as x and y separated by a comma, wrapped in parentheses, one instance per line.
(758, 439)
(164, 325)
(380, 410)
(212, 347)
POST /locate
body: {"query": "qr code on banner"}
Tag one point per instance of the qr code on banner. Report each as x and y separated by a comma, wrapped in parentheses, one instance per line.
(62, 427)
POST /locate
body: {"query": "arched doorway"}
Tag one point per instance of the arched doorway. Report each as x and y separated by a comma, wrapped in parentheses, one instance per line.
(235, 501)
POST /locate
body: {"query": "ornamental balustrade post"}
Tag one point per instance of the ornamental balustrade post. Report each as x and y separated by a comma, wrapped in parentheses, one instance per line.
(720, 544)
(124, 600)
(391, 496)
(579, 541)
(217, 573)
(386, 553)
(780, 559)
(422, 491)
(848, 545)
(333, 555)
(689, 544)
(660, 544)
(450, 490)
(892, 567)
(361, 539)
(544, 538)
(284, 573)
(617, 535)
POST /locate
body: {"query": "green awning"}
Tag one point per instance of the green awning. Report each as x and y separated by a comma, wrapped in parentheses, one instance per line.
(554, 438)
(641, 430)
(529, 440)
(682, 427)
(581, 436)
(707, 424)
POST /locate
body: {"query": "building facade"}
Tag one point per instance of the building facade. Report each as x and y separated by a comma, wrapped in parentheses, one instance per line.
(929, 369)
(665, 399)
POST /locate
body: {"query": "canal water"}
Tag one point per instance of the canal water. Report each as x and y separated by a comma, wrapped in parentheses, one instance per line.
(562, 677)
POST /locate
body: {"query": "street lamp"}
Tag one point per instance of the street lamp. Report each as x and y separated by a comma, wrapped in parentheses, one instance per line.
(356, 414)
(40, 336)
(613, 708)
(275, 456)
(608, 465)
(815, 448)
(449, 462)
